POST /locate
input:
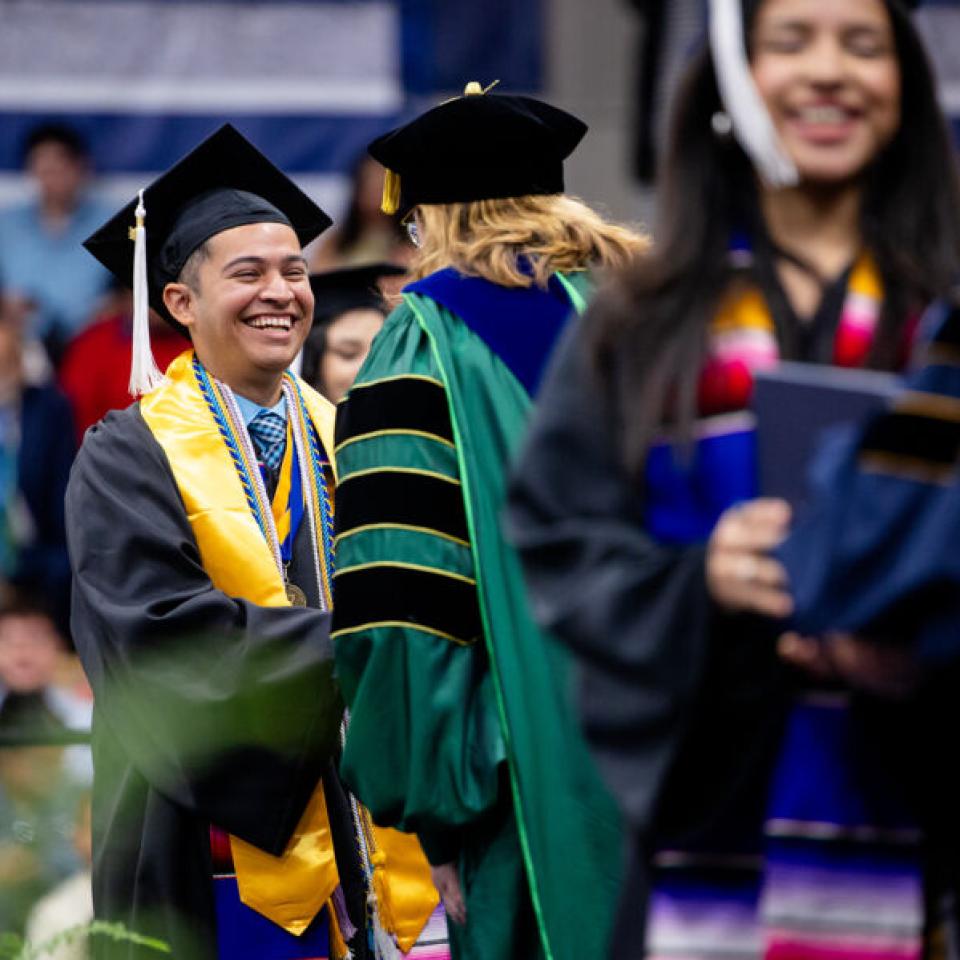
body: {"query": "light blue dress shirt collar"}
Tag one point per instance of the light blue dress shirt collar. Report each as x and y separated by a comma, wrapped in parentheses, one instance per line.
(249, 409)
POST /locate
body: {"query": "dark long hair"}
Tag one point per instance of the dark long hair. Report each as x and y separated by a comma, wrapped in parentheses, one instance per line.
(647, 330)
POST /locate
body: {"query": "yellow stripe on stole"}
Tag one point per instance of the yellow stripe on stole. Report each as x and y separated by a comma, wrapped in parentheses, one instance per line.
(233, 551)
(742, 308)
(865, 278)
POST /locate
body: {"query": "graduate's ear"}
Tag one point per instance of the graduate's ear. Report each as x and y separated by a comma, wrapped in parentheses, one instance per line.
(180, 301)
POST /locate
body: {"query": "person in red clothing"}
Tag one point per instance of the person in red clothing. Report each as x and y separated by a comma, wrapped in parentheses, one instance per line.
(94, 372)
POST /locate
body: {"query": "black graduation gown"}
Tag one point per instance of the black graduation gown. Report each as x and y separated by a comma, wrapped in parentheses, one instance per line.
(209, 709)
(681, 703)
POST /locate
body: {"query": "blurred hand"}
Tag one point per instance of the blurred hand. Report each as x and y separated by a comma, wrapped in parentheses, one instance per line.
(881, 670)
(741, 575)
(446, 878)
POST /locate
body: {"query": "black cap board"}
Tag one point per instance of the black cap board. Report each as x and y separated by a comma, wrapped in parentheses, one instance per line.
(477, 147)
(224, 182)
(351, 288)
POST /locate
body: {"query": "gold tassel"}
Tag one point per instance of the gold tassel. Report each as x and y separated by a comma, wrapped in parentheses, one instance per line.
(390, 203)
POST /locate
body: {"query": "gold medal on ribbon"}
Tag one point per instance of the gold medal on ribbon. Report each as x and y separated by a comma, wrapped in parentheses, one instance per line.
(295, 595)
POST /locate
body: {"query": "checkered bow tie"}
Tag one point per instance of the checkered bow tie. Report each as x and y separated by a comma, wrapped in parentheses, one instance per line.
(268, 430)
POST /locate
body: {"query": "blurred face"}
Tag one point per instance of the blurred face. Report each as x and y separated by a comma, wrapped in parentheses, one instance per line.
(828, 73)
(29, 651)
(347, 345)
(58, 173)
(252, 307)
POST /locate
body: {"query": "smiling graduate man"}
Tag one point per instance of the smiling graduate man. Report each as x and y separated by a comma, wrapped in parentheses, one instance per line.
(199, 528)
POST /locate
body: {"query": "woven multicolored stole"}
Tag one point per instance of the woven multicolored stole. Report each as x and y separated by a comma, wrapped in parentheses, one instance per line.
(743, 337)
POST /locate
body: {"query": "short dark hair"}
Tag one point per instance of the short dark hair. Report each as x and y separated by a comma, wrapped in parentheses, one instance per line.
(54, 132)
(23, 601)
(190, 271)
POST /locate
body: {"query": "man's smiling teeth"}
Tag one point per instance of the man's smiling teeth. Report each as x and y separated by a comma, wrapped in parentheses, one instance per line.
(824, 114)
(270, 323)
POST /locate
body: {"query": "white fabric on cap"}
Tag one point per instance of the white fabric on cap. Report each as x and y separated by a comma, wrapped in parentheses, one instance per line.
(752, 124)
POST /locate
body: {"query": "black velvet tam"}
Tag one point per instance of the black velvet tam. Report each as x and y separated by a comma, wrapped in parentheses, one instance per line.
(223, 183)
(480, 147)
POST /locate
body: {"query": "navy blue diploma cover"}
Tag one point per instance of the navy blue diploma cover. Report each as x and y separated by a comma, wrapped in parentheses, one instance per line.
(798, 405)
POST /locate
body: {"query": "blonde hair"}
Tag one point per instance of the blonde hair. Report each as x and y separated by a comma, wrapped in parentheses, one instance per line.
(555, 232)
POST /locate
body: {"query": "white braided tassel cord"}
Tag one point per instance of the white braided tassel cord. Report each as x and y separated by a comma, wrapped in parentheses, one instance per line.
(144, 373)
(752, 125)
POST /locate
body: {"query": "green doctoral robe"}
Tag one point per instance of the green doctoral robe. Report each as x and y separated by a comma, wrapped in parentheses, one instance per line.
(461, 725)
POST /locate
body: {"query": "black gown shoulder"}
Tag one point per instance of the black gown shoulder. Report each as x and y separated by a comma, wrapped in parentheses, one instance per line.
(208, 708)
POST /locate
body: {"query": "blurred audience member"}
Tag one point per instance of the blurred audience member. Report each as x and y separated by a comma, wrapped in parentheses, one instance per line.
(70, 904)
(35, 361)
(43, 266)
(30, 648)
(35, 662)
(37, 789)
(42, 686)
(96, 364)
(349, 310)
(36, 450)
(367, 234)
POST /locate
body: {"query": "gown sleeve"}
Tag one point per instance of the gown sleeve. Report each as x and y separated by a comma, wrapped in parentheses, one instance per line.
(227, 709)
(423, 745)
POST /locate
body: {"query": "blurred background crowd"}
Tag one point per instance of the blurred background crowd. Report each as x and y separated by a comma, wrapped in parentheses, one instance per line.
(95, 98)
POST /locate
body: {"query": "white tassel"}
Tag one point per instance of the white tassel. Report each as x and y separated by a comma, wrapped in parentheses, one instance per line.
(752, 124)
(144, 373)
(385, 947)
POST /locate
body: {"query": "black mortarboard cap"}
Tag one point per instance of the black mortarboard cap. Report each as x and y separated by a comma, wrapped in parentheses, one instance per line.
(224, 182)
(477, 147)
(351, 288)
